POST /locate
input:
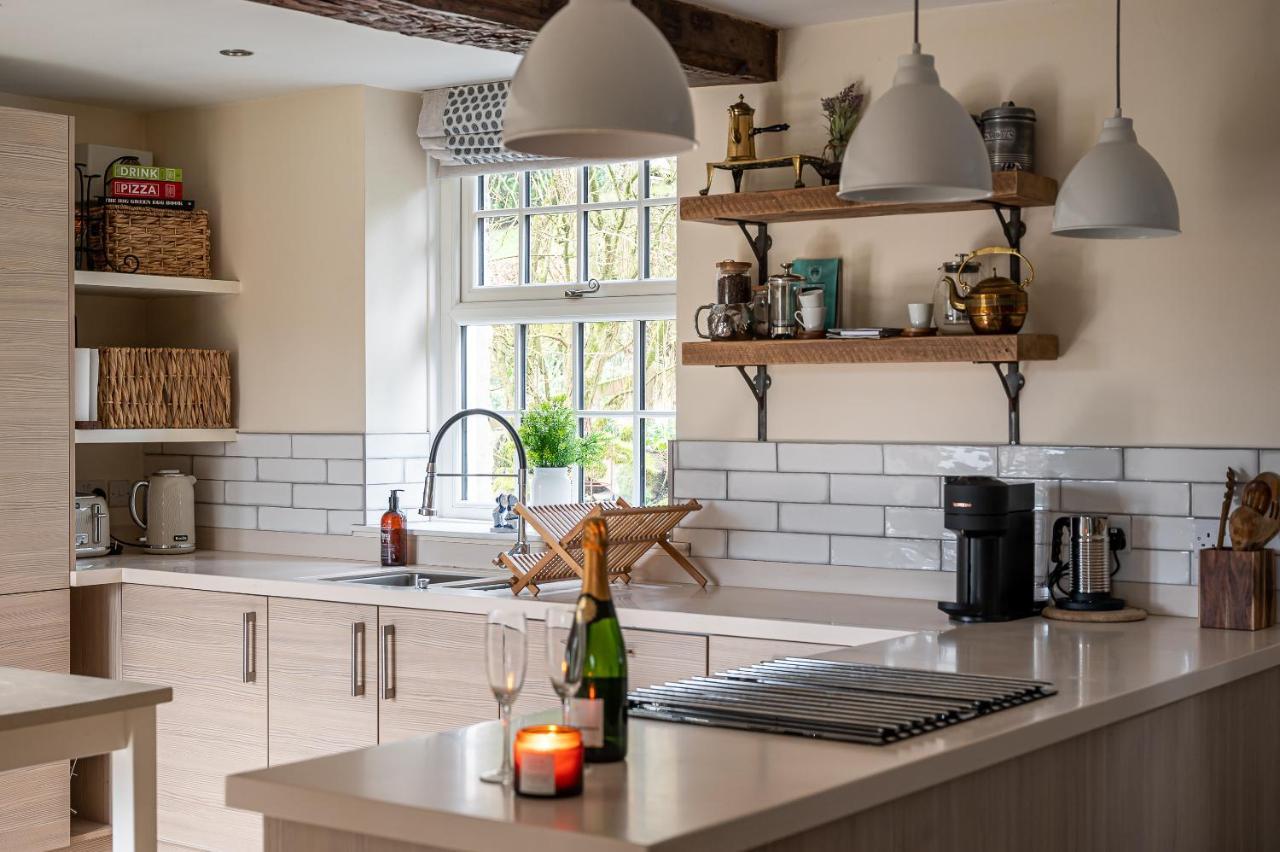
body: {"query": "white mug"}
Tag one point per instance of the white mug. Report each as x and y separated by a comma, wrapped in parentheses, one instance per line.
(920, 314)
(812, 318)
(811, 297)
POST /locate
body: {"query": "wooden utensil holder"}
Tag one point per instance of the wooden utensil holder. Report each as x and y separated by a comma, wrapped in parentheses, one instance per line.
(1237, 588)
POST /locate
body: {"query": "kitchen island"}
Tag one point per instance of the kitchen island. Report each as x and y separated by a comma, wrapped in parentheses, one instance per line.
(1160, 737)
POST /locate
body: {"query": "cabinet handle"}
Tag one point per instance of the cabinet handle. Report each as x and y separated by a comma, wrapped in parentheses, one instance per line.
(357, 658)
(249, 648)
(388, 661)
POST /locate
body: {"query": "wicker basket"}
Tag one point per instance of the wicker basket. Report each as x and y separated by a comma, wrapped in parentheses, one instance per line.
(165, 242)
(164, 388)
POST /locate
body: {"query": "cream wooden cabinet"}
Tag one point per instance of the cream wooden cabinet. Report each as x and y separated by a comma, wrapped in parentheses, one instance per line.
(728, 652)
(211, 648)
(323, 690)
(433, 674)
(655, 657)
(35, 802)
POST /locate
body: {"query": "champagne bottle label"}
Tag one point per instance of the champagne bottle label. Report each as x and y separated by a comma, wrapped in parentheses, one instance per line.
(587, 715)
(538, 774)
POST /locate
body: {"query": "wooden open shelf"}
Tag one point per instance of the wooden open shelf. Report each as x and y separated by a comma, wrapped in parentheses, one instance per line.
(153, 436)
(993, 348)
(94, 283)
(1010, 189)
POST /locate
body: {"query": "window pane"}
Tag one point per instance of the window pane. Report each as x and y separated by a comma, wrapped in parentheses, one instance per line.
(613, 474)
(660, 365)
(608, 365)
(549, 362)
(658, 432)
(553, 187)
(501, 238)
(662, 178)
(490, 380)
(662, 241)
(553, 248)
(500, 191)
(612, 239)
(613, 182)
(488, 450)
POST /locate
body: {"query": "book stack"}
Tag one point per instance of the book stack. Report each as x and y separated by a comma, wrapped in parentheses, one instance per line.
(133, 184)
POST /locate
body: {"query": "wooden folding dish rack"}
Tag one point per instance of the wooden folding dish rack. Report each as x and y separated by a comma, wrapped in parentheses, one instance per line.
(632, 532)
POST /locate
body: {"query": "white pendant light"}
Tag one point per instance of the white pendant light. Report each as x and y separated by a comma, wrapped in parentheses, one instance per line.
(600, 82)
(1117, 190)
(916, 143)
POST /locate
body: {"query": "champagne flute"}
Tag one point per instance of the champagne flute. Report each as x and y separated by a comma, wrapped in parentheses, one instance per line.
(564, 657)
(505, 659)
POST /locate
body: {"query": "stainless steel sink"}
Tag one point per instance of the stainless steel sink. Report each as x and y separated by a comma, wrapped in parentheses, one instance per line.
(425, 580)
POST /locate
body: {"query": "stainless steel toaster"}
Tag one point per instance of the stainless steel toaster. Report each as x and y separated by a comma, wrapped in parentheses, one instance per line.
(93, 526)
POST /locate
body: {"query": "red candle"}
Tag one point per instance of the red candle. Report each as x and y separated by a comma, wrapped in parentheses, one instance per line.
(548, 761)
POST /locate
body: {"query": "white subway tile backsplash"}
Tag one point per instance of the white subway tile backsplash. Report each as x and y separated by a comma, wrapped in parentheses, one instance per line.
(727, 455)
(195, 448)
(415, 469)
(1061, 462)
(328, 446)
(914, 523)
(779, 547)
(261, 445)
(220, 467)
(830, 519)
(711, 544)
(162, 462)
(226, 517)
(341, 522)
(400, 445)
(210, 491)
(293, 470)
(378, 471)
(346, 472)
(1269, 460)
(949, 554)
(792, 487)
(700, 485)
(939, 460)
(1134, 498)
(293, 520)
(349, 497)
(259, 493)
(1169, 465)
(1206, 499)
(830, 458)
(867, 552)
(1161, 533)
(1155, 566)
(734, 515)
(376, 497)
(1047, 492)
(885, 490)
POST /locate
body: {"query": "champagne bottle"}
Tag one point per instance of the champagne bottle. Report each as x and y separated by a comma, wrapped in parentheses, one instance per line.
(599, 709)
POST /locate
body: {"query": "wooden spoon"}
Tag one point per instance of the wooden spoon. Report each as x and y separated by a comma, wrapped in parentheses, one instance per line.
(1257, 520)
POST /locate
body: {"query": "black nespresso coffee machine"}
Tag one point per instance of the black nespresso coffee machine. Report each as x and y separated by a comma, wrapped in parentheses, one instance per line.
(995, 551)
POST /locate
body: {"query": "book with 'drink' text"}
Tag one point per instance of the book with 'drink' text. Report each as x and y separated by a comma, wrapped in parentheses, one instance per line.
(137, 171)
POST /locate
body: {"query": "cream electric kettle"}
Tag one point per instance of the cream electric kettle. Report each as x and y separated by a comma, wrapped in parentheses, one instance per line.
(169, 516)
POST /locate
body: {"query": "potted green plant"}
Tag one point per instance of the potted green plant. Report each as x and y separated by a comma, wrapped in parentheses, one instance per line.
(549, 431)
(842, 112)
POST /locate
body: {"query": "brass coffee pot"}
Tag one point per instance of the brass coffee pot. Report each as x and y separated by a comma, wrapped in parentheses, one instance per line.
(995, 305)
(742, 131)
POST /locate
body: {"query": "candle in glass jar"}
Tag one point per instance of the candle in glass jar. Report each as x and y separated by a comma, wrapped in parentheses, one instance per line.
(548, 761)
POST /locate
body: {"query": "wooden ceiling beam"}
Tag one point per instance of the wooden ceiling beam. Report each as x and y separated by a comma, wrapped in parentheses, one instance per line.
(714, 48)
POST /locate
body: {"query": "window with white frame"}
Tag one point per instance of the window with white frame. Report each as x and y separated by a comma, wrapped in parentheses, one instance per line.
(526, 238)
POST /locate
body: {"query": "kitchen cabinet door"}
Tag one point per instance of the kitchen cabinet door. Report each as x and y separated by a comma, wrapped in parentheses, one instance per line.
(323, 695)
(656, 657)
(728, 652)
(35, 351)
(537, 694)
(433, 672)
(211, 647)
(35, 802)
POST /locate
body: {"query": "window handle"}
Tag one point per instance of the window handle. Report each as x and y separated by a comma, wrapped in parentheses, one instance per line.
(593, 287)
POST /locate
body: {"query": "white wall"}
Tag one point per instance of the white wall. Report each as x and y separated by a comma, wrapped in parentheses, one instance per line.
(1164, 342)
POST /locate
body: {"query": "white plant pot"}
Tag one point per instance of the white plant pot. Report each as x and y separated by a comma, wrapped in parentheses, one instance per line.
(551, 485)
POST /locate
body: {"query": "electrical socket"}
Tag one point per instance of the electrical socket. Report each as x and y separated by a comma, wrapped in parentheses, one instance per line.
(1206, 532)
(88, 486)
(119, 493)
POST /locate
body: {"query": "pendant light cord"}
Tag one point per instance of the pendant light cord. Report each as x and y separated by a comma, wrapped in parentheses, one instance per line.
(1117, 57)
(915, 28)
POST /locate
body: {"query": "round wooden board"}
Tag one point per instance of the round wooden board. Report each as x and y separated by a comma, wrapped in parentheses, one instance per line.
(1111, 616)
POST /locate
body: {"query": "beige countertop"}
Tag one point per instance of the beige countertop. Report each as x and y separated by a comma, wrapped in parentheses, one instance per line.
(29, 697)
(817, 617)
(693, 788)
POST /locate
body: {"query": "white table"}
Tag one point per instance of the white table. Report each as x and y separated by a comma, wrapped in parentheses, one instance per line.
(45, 716)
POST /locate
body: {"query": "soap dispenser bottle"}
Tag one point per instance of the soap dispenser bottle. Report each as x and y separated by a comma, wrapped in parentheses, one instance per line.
(395, 533)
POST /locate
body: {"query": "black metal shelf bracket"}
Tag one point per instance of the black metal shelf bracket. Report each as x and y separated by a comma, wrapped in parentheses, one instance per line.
(1012, 381)
(759, 386)
(759, 244)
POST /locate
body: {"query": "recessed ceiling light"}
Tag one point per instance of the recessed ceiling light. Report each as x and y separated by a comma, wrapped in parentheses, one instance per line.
(236, 51)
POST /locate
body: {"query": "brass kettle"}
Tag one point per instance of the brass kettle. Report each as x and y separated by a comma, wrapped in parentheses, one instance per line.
(743, 132)
(995, 305)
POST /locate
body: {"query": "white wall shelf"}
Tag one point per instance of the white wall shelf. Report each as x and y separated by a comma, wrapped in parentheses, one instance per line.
(145, 436)
(128, 284)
